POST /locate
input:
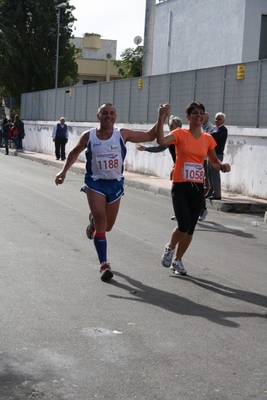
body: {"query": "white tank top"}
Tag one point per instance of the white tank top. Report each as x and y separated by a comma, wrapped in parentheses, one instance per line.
(105, 157)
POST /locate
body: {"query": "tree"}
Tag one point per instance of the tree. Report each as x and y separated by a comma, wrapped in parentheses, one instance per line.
(130, 65)
(28, 39)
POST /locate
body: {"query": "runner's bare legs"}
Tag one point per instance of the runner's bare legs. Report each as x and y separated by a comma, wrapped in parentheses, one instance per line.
(104, 214)
(104, 217)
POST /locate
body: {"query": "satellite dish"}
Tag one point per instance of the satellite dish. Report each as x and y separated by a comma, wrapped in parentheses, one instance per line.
(137, 40)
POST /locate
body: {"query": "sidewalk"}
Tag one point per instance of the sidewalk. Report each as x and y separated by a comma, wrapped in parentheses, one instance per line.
(231, 202)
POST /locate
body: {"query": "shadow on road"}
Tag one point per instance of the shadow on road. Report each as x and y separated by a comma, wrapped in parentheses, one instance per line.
(249, 297)
(180, 305)
(215, 227)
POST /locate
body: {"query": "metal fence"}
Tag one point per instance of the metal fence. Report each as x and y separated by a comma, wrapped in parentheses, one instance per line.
(244, 101)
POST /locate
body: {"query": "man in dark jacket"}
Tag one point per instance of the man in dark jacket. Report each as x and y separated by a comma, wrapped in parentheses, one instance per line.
(220, 134)
(60, 136)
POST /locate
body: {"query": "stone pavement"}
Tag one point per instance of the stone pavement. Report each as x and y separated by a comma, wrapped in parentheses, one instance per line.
(231, 202)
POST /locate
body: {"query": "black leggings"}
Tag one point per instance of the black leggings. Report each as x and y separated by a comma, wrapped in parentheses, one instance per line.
(187, 199)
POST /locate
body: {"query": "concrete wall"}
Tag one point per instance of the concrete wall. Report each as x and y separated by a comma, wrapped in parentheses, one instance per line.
(246, 151)
(200, 34)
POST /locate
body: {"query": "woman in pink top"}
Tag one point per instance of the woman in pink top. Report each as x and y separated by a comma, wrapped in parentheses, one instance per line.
(192, 146)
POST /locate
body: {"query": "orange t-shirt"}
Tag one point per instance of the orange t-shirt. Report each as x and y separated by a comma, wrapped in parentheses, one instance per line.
(190, 155)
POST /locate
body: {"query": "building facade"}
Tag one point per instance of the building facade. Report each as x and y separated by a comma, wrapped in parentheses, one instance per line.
(183, 35)
(96, 61)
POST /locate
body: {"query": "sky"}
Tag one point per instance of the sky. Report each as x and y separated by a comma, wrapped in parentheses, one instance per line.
(120, 20)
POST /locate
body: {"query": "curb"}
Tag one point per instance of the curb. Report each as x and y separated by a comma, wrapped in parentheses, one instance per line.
(237, 207)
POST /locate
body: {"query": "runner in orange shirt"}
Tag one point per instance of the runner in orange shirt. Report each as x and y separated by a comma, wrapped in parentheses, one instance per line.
(192, 146)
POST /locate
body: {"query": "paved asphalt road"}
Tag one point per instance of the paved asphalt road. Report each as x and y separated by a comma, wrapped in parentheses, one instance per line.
(147, 335)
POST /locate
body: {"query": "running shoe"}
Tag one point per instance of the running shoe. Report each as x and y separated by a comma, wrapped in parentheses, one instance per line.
(203, 214)
(91, 227)
(166, 258)
(178, 268)
(172, 268)
(105, 271)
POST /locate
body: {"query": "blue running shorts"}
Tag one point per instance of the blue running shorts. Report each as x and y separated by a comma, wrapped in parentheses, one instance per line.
(112, 189)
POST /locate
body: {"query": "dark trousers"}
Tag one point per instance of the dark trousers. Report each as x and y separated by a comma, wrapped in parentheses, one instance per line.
(20, 140)
(16, 141)
(60, 144)
(6, 144)
(215, 178)
(7, 140)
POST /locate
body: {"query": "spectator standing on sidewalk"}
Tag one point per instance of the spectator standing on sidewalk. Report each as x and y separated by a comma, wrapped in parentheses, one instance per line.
(192, 145)
(7, 128)
(219, 133)
(21, 133)
(60, 136)
(104, 182)
(207, 127)
(3, 123)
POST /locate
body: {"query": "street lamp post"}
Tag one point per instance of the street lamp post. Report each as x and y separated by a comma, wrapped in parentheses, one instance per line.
(59, 6)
